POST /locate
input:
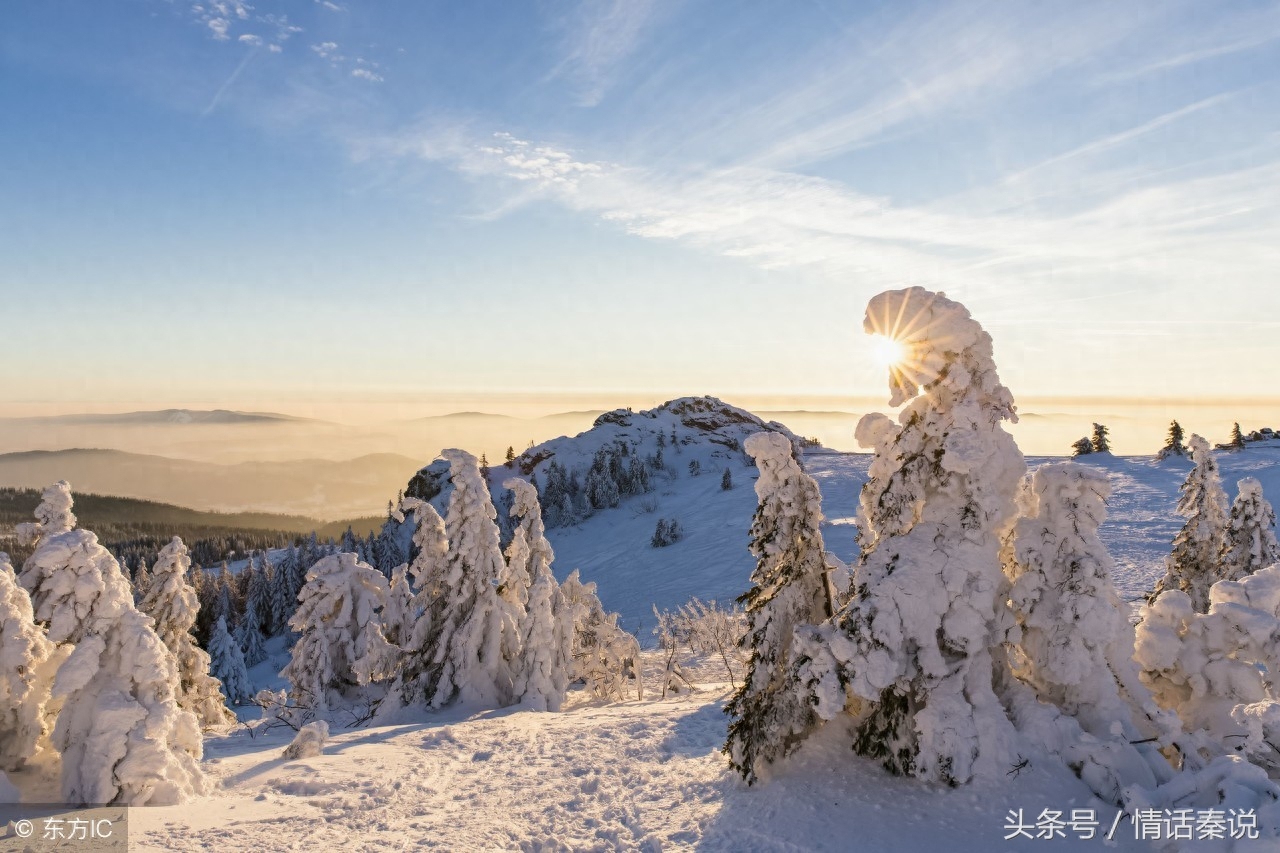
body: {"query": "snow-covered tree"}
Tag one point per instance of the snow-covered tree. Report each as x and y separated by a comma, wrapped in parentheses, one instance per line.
(141, 580)
(1082, 447)
(281, 603)
(226, 663)
(1193, 566)
(173, 606)
(397, 613)
(468, 660)
(918, 645)
(249, 631)
(427, 607)
(122, 736)
(1249, 542)
(341, 647)
(604, 655)
(1173, 445)
(545, 645)
(771, 712)
(1100, 440)
(28, 661)
(1072, 642)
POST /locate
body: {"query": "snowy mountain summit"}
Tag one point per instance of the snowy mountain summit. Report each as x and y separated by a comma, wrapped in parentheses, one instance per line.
(654, 504)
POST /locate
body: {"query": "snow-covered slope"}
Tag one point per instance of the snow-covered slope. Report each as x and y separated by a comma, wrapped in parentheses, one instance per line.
(612, 546)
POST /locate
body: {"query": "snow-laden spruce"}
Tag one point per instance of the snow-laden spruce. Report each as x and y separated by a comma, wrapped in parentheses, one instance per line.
(397, 613)
(1072, 642)
(546, 625)
(918, 643)
(341, 648)
(256, 605)
(1194, 566)
(468, 664)
(121, 734)
(426, 609)
(1249, 542)
(226, 663)
(771, 712)
(28, 661)
(172, 605)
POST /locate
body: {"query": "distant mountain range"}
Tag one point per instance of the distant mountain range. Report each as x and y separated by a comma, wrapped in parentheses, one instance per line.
(164, 416)
(315, 487)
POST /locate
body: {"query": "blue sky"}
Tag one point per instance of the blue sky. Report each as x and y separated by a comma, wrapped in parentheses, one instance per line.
(285, 200)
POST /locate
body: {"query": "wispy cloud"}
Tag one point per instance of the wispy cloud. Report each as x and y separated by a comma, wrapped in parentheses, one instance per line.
(599, 37)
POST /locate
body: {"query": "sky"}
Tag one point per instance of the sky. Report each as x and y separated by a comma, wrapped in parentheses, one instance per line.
(264, 204)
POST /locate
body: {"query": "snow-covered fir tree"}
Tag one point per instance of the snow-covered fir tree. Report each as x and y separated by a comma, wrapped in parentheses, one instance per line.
(1249, 542)
(1082, 447)
(1072, 642)
(468, 663)
(1173, 443)
(281, 603)
(28, 661)
(426, 609)
(1193, 565)
(341, 647)
(249, 631)
(919, 643)
(173, 606)
(226, 663)
(545, 649)
(141, 580)
(122, 736)
(771, 712)
(1100, 440)
(398, 613)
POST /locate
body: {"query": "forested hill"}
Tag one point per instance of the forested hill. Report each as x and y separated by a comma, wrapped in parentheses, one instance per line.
(136, 528)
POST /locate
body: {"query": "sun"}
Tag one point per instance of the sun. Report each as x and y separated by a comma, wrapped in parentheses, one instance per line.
(886, 351)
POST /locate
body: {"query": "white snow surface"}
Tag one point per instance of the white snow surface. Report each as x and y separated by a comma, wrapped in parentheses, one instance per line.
(644, 776)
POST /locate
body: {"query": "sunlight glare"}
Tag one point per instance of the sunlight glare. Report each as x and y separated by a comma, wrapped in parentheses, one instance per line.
(886, 351)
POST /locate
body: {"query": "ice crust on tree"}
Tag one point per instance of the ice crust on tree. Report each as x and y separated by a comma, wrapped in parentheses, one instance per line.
(546, 623)
(226, 663)
(173, 605)
(1194, 565)
(28, 661)
(1249, 541)
(771, 712)
(121, 733)
(918, 643)
(341, 647)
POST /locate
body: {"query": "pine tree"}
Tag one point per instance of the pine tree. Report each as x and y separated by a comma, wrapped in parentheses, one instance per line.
(1249, 542)
(1173, 445)
(511, 456)
(141, 580)
(1237, 438)
(1082, 447)
(470, 665)
(726, 481)
(341, 647)
(1099, 439)
(771, 713)
(249, 631)
(919, 643)
(122, 736)
(173, 606)
(545, 637)
(427, 607)
(397, 613)
(226, 663)
(28, 661)
(1193, 565)
(281, 604)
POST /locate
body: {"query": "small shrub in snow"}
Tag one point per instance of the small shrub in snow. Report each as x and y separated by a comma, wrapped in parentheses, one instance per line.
(308, 742)
(605, 656)
(1194, 566)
